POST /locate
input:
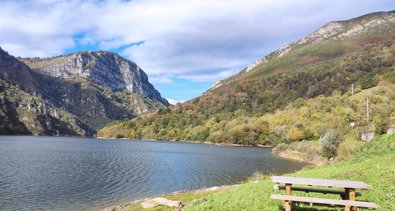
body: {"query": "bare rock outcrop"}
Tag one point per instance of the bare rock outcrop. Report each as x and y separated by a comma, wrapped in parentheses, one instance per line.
(105, 68)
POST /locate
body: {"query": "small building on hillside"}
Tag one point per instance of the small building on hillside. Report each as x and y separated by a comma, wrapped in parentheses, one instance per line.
(391, 130)
(367, 136)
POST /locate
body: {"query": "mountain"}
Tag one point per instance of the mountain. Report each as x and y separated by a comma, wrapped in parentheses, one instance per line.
(23, 111)
(359, 51)
(334, 39)
(103, 68)
(335, 56)
(72, 95)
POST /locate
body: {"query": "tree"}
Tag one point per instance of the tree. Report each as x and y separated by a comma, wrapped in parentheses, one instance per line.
(294, 134)
(329, 143)
(298, 102)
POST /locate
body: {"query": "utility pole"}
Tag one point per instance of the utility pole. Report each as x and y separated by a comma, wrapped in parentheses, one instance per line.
(352, 89)
(367, 110)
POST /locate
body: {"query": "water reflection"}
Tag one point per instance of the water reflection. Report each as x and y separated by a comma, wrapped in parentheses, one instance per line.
(48, 173)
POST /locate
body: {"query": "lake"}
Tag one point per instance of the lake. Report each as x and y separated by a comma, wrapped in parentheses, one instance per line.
(63, 173)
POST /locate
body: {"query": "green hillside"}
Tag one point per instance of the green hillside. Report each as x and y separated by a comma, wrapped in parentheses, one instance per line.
(371, 162)
(334, 39)
(296, 93)
(303, 119)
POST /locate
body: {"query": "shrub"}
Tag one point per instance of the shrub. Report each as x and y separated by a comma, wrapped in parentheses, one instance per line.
(381, 123)
(358, 89)
(370, 80)
(280, 148)
(308, 134)
(390, 77)
(329, 143)
(298, 102)
(218, 137)
(239, 134)
(295, 134)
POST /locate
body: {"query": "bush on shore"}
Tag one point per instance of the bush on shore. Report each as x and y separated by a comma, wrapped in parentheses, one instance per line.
(329, 143)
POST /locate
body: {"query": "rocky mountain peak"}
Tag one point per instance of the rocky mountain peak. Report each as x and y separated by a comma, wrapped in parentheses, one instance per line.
(374, 23)
(102, 67)
(74, 94)
(378, 23)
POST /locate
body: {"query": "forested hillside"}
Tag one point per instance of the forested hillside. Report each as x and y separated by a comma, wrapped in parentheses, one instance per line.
(296, 93)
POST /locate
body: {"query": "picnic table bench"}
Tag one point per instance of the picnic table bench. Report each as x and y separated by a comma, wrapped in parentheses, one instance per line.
(348, 195)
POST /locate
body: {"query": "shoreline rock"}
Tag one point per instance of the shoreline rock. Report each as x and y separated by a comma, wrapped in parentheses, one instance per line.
(160, 201)
(128, 205)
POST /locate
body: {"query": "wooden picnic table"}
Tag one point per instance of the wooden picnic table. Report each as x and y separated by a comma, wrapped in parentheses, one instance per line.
(348, 195)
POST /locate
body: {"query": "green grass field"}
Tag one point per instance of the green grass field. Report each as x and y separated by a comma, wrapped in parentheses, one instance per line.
(373, 163)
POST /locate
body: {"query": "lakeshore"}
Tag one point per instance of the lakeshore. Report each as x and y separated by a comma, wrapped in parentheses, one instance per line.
(192, 142)
(177, 195)
(371, 162)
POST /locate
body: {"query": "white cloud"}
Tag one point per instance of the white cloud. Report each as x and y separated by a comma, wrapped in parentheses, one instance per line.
(173, 102)
(195, 39)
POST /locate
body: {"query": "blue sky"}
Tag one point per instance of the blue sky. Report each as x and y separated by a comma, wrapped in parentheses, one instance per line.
(183, 46)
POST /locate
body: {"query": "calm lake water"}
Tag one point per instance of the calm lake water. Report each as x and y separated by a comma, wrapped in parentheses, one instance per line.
(54, 173)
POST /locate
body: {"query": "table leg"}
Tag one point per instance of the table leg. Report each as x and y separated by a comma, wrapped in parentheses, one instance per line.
(350, 195)
(288, 191)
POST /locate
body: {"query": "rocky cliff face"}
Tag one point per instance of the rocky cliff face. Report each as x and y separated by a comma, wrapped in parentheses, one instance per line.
(104, 68)
(71, 95)
(23, 111)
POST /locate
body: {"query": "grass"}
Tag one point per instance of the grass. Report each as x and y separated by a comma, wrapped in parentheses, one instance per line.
(373, 163)
(291, 60)
(184, 197)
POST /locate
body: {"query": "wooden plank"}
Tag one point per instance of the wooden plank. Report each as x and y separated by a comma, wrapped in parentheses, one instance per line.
(315, 190)
(322, 182)
(325, 201)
